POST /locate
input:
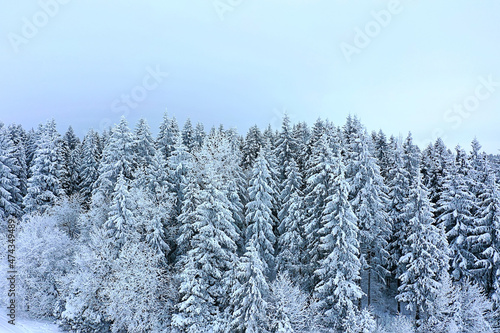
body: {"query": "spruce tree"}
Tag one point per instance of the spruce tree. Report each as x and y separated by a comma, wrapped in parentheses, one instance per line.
(44, 184)
(250, 293)
(117, 159)
(167, 136)
(339, 272)
(425, 255)
(259, 216)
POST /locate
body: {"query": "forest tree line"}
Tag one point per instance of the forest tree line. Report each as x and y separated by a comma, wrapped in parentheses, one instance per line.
(301, 229)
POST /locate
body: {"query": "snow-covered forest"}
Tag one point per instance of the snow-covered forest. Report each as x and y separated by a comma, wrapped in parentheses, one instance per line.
(307, 228)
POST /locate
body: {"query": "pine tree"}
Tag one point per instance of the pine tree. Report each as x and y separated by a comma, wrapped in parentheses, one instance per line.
(70, 177)
(425, 255)
(199, 136)
(187, 135)
(89, 167)
(207, 263)
(455, 205)
(399, 184)
(117, 159)
(143, 146)
(179, 165)
(291, 217)
(44, 186)
(253, 144)
(10, 193)
(319, 184)
(487, 238)
(121, 223)
(339, 272)
(19, 138)
(286, 147)
(167, 136)
(369, 202)
(259, 212)
(250, 293)
(301, 136)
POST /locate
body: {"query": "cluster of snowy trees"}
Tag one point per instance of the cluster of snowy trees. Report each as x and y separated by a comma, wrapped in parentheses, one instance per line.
(302, 229)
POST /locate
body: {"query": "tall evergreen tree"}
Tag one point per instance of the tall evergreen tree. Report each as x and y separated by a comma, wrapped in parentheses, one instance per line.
(117, 159)
(167, 136)
(121, 223)
(425, 255)
(486, 237)
(89, 167)
(70, 174)
(318, 188)
(339, 272)
(455, 206)
(250, 293)
(143, 146)
(253, 143)
(259, 212)
(187, 135)
(44, 185)
(19, 138)
(291, 218)
(10, 193)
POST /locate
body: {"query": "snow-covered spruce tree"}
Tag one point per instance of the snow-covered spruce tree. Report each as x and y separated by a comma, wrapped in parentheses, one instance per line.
(10, 193)
(167, 136)
(199, 136)
(44, 256)
(338, 273)
(487, 238)
(179, 164)
(19, 138)
(291, 217)
(455, 205)
(259, 216)
(187, 135)
(89, 167)
(187, 218)
(205, 268)
(399, 184)
(368, 197)
(117, 159)
(44, 185)
(440, 161)
(70, 178)
(121, 224)
(382, 153)
(143, 146)
(250, 293)
(253, 143)
(301, 136)
(425, 255)
(286, 147)
(318, 189)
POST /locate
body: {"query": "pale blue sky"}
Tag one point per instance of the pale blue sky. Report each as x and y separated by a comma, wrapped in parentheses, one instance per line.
(263, 57)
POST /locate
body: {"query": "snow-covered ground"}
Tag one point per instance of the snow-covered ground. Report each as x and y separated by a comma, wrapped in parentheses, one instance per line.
(24, 325)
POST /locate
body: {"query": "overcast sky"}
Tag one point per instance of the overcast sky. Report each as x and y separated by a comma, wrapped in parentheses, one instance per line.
(429, 67)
